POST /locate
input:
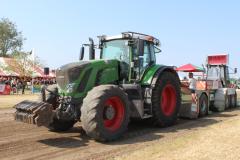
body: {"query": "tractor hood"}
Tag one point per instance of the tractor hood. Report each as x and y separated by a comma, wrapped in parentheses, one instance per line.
(68, 73)
(79, 77)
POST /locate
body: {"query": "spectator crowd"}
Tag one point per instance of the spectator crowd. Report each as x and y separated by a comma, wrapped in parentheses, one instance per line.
(19, 85)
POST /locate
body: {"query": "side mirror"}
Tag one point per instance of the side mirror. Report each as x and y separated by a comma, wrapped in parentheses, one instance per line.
(140, 47)
(81, 55)
(157, 50)
(91, 49)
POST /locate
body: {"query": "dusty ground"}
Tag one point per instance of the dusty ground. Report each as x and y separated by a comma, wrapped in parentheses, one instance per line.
(7, 101)
(213, 137)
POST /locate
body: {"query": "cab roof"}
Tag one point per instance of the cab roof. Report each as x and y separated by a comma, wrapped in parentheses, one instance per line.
(131, 35)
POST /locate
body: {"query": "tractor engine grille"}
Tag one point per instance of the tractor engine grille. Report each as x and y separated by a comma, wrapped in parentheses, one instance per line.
(69, 73)
(65, 77)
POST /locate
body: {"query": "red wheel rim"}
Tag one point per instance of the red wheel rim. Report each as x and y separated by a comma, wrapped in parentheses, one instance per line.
(114, 123)
(168, 100)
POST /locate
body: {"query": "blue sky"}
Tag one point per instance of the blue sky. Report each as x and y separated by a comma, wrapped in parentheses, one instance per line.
(188, 30)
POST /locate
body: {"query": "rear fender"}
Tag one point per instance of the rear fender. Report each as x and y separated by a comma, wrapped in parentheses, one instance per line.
(154, 72)
(160, 71)
(149, 81)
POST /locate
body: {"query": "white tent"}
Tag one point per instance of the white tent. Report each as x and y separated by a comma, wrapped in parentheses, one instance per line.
(5, 70)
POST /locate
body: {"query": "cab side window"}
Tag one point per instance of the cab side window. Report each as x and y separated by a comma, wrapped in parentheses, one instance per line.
(152, 53)
(148, 55)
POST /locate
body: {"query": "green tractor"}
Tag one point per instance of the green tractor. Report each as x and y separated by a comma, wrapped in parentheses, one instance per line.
(104, 94)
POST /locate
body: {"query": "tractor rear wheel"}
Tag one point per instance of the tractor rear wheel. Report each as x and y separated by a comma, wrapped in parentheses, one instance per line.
(166, 100)
(105, 113)
(203, 105)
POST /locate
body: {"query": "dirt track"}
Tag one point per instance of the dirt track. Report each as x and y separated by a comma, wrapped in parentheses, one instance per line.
(182, 141)
(7, 101)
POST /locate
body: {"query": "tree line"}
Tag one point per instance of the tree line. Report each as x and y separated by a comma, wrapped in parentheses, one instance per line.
(11, 44)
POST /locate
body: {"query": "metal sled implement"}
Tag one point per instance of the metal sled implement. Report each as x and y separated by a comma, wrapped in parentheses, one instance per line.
(32, 112)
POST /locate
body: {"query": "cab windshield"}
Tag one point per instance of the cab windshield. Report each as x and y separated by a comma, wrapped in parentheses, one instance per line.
(215, 72)
(116, 49)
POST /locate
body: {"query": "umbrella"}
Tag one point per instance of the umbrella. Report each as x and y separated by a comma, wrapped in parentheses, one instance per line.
(190, 68)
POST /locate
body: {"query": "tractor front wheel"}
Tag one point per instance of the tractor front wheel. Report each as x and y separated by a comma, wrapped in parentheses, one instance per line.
(60, 125)
(57, 125)
(105, 113)
(166, 99)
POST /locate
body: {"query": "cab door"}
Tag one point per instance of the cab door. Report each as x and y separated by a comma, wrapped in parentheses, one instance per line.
(147, 59)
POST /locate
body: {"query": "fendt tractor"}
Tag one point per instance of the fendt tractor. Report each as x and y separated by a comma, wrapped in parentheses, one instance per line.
(104, 94)
(213, 92)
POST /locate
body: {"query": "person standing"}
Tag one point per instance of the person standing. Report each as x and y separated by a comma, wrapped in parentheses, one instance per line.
(24, 83)
(192, 86)
(192, 83)
(14, 85)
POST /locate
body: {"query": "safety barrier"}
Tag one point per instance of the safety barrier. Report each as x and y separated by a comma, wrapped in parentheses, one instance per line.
(5, 89)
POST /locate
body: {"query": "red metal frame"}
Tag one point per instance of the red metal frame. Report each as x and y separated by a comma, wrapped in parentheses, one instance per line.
(218, 59)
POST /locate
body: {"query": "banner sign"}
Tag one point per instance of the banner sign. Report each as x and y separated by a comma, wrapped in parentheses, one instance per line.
(2, 87)
(5, 89)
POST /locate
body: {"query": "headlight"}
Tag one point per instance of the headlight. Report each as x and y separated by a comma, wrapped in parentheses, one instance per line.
(70, 87)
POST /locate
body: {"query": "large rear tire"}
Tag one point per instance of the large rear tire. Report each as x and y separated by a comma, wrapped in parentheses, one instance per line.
(105, 113)
(166, 100)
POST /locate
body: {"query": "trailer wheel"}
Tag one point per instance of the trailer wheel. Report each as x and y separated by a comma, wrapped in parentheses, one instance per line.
(166, 100)
(227, 101)
(203, 105)
(234, 100)
(105, 113)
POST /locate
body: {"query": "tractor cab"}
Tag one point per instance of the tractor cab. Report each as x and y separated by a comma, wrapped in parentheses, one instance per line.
(217, 71)
(134, 51)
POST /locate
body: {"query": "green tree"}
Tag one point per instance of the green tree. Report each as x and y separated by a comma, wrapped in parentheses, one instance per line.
(10, 38)
(22, 63)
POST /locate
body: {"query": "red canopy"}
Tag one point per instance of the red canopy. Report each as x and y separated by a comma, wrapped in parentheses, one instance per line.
(190, 68)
